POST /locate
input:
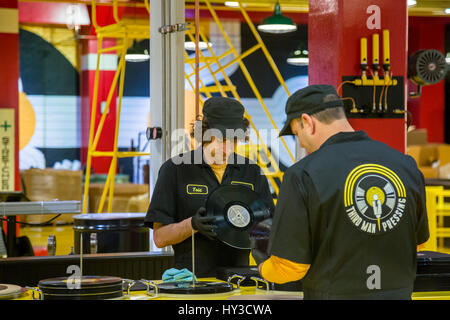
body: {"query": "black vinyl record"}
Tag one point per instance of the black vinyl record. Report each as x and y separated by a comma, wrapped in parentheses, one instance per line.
(237, 209)
(200, 287)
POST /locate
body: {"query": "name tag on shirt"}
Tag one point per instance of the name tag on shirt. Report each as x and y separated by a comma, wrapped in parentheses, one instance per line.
(196, 189)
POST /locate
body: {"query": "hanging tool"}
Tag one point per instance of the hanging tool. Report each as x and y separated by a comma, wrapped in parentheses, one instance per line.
(386, 65)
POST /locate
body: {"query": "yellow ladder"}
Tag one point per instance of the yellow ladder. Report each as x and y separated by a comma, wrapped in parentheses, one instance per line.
(259, 151)
(126, 32)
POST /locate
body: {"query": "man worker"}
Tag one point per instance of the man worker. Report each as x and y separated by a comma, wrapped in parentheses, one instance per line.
(350, 215)
(184, 182)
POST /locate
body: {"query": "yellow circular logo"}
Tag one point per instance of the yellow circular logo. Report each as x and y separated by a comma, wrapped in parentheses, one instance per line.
(374, 199)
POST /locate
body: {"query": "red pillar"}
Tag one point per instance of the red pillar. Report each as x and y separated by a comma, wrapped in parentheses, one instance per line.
(9, 77)
(428, 110)
(335, 28)
(9, 96)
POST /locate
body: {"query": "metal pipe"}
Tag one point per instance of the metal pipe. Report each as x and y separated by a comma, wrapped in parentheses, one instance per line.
(167, 79)
(197, 62)
(163, 82)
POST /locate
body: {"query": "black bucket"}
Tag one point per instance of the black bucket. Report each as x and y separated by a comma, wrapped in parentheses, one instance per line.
(111, 232)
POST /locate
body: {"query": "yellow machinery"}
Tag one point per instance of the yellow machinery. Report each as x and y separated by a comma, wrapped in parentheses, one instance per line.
(375, 80)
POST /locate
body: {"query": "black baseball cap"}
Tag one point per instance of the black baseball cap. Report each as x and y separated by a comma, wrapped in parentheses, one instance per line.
(309, 100)
(224, 113)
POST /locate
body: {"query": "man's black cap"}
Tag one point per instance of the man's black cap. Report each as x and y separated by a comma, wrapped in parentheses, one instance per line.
(224, 113)
(310, 100)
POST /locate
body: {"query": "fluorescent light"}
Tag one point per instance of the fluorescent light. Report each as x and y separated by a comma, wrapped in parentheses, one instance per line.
(411, 3)
(136, 53)
(136, 57)
(190, 45)
(277, 28)
(447, 11)
(233, 4)
(299, 58)
(298, 61)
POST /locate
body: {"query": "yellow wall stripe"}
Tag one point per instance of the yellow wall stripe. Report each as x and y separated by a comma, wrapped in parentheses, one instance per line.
(9, 20)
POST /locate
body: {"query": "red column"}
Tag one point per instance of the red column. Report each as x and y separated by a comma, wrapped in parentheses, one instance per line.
(428, 110)
(9, 78)
(335, 28)
(9, 74)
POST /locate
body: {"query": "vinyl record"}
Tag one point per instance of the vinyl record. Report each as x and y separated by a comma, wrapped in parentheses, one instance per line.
(200, 287)
(91, 288)
(237, 209)
(10, 291)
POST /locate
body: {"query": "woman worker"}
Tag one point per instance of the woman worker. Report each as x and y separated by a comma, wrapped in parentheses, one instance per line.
(184, 182)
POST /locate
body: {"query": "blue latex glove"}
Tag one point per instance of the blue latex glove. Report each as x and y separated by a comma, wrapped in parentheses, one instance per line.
(172, 275)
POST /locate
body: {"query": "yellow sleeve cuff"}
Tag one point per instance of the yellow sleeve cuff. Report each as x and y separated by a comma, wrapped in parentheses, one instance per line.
(279, 270)
(421, 247)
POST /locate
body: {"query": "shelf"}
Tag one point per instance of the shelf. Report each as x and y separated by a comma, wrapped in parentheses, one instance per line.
(39, 207)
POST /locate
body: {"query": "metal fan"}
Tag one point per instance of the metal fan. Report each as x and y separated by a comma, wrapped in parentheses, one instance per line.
(426, 67)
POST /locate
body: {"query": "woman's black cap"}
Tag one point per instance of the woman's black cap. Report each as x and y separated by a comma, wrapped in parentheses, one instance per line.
(224, 113)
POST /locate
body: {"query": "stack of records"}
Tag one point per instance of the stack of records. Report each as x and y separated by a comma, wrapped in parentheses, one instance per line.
(88, 288)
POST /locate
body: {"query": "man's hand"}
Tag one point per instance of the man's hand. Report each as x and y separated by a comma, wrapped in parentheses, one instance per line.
(204, 224)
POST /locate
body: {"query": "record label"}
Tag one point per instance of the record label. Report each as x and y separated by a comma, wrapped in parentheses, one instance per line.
(238, 216)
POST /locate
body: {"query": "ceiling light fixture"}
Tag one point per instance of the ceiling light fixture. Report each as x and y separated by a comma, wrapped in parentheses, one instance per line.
(277, 23)
(299, 57)
(136, 53)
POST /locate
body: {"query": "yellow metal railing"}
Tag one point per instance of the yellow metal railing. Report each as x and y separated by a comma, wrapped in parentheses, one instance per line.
(126, 33)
